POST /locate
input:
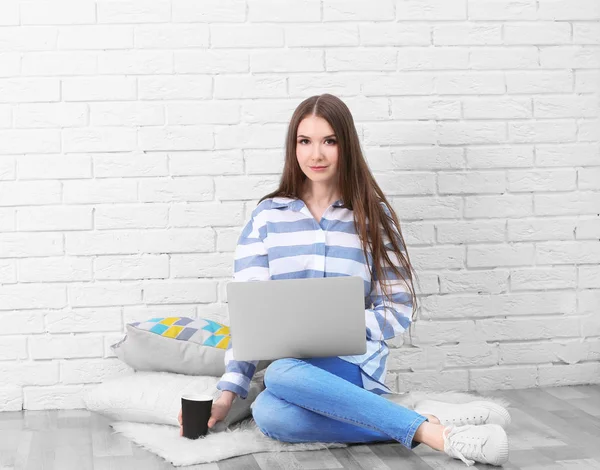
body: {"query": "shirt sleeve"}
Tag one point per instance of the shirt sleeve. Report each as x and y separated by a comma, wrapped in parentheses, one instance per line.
(251, 264)
(386, 319)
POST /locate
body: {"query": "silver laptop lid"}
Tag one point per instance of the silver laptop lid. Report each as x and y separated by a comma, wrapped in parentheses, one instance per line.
(314, 317)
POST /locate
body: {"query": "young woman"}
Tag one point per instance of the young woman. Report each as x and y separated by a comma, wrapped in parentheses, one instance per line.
(328, 218)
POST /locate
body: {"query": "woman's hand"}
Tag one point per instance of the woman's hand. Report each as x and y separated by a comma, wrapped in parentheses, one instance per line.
(220, 409)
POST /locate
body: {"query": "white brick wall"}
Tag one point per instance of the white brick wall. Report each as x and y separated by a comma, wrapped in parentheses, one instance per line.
(136, 137)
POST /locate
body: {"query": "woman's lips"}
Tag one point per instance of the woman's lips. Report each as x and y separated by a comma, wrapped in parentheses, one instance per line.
(318, 168)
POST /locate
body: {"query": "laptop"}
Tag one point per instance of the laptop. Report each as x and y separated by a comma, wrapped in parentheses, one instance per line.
(299, 318)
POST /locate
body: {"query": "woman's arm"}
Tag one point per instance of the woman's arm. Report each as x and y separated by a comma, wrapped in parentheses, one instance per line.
(389, 319)
(238, 374)
(251, 264)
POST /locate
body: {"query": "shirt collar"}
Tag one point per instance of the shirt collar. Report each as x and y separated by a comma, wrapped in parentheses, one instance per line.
(296, 204)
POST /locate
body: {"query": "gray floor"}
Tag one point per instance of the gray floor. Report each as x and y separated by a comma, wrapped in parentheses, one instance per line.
(552, 428)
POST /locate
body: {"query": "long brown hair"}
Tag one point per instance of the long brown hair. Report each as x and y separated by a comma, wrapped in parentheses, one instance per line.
(360, 192)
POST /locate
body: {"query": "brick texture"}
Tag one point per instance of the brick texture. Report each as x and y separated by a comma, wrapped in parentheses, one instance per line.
(137, 136)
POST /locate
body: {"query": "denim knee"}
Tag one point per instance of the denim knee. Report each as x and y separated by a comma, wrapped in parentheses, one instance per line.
(277, 369)
(260, 413)
(266, 415)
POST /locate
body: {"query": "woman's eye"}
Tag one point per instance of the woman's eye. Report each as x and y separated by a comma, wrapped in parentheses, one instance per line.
(333, 141)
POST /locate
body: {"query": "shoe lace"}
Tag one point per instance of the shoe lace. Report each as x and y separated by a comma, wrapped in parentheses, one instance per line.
(457, 447)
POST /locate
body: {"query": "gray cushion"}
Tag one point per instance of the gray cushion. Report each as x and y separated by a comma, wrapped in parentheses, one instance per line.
(177, 344)
(147, 351)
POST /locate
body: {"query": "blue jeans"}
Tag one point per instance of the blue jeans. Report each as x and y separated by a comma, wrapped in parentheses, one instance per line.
(322, 400)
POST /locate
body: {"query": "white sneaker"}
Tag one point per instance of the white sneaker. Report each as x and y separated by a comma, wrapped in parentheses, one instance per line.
(475, 412)
(486, 444)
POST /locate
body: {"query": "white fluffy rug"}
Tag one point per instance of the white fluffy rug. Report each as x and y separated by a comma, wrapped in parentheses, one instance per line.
(245, 438)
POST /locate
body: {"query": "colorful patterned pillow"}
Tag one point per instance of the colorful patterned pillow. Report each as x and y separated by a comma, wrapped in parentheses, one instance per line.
(175, 344)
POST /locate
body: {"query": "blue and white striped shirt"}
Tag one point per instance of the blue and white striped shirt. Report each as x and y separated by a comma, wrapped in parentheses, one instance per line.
(282, 240)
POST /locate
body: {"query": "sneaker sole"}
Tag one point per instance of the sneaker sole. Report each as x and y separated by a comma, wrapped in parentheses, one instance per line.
(498, 414)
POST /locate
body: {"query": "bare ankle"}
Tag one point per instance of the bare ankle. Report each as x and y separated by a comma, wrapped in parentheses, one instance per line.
(432, 419)
(431, 435)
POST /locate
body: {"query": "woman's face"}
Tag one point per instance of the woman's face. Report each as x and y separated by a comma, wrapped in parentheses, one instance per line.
(317, 146)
